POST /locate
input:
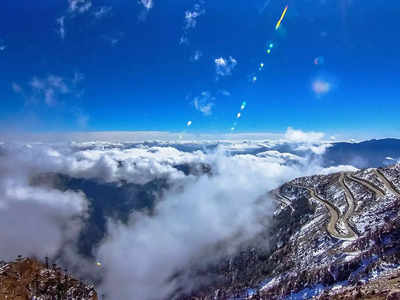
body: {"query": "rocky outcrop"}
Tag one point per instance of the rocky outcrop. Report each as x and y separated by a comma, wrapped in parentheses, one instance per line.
(26, 279)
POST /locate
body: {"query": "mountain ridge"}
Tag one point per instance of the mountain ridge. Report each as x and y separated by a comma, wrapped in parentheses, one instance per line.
(346, 235)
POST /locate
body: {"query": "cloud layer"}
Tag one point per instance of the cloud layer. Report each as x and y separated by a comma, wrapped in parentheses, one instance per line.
(38, 221)
(157, 251)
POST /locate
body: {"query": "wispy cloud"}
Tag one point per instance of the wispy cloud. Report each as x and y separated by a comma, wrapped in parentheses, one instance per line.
(79, 6)
(54, 91)
(102, 12)
(82, 119)
(49, 89)
(78, 77)
(196, 55)
(61, 26)
(204, 103)
(147, 5)
(224, 66)
(191, 20)
(114, 39)
(191, 16)
(264, 6)
(225, 93)
(16, 88)
(3, 46)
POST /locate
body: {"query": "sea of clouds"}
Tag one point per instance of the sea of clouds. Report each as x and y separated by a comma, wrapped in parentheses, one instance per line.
(140, 258)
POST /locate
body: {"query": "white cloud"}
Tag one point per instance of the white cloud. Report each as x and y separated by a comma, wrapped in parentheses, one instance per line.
(197, 55)
(338, 169)
(191, 20)
(102, 12)
(58, 83)
(206, 109)
(204, 103)
(147, 4)
(61, 26)
(114, 39)
(317, 148)
(78, 77)
(191, 16)
(140, 165)
(3, 46)
(186, 226)
(79, 6)
(137, 136)
(279, 157)
(49, 88)
(224, 66)
(40, 221)
(183, 40)
(225, 93)
(299, 136)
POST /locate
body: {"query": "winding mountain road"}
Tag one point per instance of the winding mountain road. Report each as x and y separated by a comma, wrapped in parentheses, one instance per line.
(389, 185)
(335, 216)
(369, 185)
(334, 219)
(350, 205)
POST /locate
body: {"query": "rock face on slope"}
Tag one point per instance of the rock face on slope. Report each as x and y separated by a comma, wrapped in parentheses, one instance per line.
(333, 237)
(26, 279)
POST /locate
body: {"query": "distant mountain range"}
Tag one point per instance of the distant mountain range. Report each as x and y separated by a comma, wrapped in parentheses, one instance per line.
(368, 154)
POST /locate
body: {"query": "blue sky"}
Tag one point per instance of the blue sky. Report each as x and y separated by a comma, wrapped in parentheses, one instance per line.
(88, 65)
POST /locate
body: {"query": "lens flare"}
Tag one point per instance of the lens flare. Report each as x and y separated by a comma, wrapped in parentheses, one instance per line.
(320, 60)
(321, 87)
(281, 18)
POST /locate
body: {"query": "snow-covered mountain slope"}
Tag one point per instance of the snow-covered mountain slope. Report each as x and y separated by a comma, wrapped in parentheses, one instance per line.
(332, 234)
